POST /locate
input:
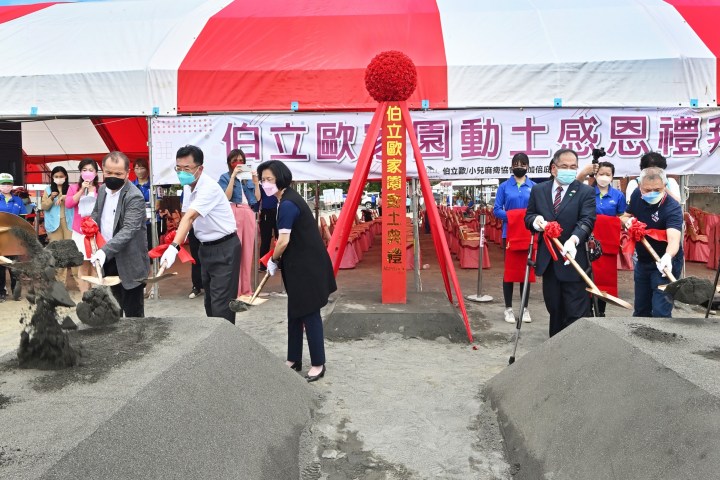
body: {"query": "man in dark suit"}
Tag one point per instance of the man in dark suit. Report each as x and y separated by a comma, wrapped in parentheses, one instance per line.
(120, 213)
(572, 205)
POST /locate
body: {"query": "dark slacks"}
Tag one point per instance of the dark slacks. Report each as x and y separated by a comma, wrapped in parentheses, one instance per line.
(268, 228)
(132, 301)
(195, 273)
(220, 276)
(564, 301)
(313, 331)
(3, 278)
(649, 301)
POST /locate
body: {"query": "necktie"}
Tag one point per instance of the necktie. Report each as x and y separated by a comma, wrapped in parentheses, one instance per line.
(558, 197)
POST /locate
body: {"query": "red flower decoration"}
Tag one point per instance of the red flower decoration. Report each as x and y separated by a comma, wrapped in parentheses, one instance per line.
(553, 230)
(637, 231)
(391, 77)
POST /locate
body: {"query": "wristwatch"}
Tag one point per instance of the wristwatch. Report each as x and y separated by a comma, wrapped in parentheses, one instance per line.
(177, 247)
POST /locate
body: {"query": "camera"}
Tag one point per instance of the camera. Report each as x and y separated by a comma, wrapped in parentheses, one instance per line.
(597, 153)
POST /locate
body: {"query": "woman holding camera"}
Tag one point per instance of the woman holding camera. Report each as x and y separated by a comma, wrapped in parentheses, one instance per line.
(239, 185)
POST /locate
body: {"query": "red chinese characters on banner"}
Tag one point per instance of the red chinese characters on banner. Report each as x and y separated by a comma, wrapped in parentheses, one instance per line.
(394, 289)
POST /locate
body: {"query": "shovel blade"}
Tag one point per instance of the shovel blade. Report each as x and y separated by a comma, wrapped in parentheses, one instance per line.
(246, 299)
(160, 277)
(104, 282)
(606, 297)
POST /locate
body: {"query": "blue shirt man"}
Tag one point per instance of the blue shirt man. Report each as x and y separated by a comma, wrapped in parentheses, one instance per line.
(511, 196)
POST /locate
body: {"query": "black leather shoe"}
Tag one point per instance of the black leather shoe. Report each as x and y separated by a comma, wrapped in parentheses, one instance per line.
(297, 366)
(312, 378)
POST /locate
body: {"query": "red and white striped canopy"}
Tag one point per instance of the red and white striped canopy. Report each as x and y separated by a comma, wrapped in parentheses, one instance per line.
(170, 57)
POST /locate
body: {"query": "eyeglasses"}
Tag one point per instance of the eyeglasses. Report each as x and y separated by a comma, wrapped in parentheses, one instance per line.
(186, 169)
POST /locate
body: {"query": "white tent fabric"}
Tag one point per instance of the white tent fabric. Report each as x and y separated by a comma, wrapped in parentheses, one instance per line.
(127, 57)
(61, 137)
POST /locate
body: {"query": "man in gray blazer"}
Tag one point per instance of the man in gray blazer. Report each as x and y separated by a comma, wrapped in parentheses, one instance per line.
(120, 213)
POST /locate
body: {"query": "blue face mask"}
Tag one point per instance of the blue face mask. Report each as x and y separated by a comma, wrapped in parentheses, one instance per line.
(652, 197)
(565, 177)
(186, 178)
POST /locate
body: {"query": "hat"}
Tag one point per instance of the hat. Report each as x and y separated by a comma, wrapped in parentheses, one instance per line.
(6, 178)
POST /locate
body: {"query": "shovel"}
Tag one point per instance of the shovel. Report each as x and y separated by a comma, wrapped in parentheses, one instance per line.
(99, 280)
(238, 305)
(592, 287)
(161, 275)
(691, 290)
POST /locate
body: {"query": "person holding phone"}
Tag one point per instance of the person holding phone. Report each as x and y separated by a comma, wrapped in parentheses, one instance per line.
(240, 191)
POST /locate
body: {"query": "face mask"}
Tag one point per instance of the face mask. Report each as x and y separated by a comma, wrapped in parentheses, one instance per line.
(88, 176)
(565, 177)
(519, 172)
(270, 189)
(114, 183)
(603, 180)
(186, 178)
(652, 197)
(59, 181)
(5, 189)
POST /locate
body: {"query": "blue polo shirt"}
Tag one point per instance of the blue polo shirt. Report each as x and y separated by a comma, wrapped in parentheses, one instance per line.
(511, 196)
(14, 205)
(667, 213)
(612, 203)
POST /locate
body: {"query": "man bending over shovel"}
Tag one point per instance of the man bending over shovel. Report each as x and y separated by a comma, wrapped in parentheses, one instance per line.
(120, 213)
(663, 217)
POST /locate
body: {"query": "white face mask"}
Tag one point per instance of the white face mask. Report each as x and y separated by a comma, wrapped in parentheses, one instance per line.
(603, 180)
(59, 181)
(6, 189)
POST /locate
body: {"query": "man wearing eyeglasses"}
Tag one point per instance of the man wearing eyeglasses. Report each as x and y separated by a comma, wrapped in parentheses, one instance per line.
(213, 222)
(572, 205)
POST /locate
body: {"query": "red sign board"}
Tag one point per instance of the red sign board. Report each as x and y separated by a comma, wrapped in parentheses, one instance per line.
(394, 220)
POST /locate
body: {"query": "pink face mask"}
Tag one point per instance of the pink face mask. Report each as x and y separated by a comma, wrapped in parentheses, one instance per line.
(269, 188)
(88, 176)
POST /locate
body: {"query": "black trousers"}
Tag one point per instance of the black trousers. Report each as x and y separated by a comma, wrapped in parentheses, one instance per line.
(220, 277)
(313, 331)
(132, 301)
(268, 228)
(564, 301)
(3, 278)
(195, 273)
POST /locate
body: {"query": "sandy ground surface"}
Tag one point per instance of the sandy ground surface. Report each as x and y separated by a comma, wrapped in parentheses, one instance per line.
(391, 407)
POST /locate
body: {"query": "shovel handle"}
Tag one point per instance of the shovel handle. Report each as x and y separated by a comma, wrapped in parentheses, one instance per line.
(578, 268)
(653, 253)
(262, 284)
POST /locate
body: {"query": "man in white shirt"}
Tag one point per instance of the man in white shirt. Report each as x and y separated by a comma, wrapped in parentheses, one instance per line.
(120, 213)
(213, 222)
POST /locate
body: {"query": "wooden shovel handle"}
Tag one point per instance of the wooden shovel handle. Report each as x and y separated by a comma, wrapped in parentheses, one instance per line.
(98, 269)
(257, 290)
(578, 268)
(653, 253)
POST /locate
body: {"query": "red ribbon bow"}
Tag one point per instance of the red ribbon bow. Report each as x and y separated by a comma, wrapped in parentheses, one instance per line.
(91, 230)
(552, 230)
(158, 251)
(637, 232)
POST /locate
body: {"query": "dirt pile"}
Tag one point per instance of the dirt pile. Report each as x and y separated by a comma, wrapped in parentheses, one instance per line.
(98, 307)
(65, 253)
(43, 344)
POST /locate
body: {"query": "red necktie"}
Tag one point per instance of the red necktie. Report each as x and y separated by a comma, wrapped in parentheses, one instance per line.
(558, 198)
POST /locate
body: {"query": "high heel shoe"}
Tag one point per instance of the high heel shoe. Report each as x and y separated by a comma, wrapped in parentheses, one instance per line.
(297, 366)
(312, 378)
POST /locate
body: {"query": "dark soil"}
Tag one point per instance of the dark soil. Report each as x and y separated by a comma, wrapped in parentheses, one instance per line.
(65, 253)
(98, 307)
(713, 354)
(655, 335)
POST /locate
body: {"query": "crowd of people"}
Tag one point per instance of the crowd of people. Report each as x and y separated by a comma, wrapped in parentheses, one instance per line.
(220, 220)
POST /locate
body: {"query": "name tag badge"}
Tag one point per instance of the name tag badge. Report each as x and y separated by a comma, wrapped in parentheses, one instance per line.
(655, 217)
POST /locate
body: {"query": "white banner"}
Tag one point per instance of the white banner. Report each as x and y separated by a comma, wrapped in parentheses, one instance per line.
(456, 144)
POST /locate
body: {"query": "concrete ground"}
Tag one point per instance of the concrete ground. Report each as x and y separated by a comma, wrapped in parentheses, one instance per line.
(392, 407)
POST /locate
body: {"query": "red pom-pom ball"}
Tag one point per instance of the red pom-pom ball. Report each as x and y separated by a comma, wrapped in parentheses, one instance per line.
(391, 77)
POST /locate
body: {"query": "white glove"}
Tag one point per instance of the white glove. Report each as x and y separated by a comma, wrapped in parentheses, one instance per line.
(271, 267)
(629, 222)
(539, 223)
(98, 258)
(664, 263)
(169, 256)
(570, 248)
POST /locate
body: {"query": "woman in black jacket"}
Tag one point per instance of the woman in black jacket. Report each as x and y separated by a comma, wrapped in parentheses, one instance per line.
(306, 268)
